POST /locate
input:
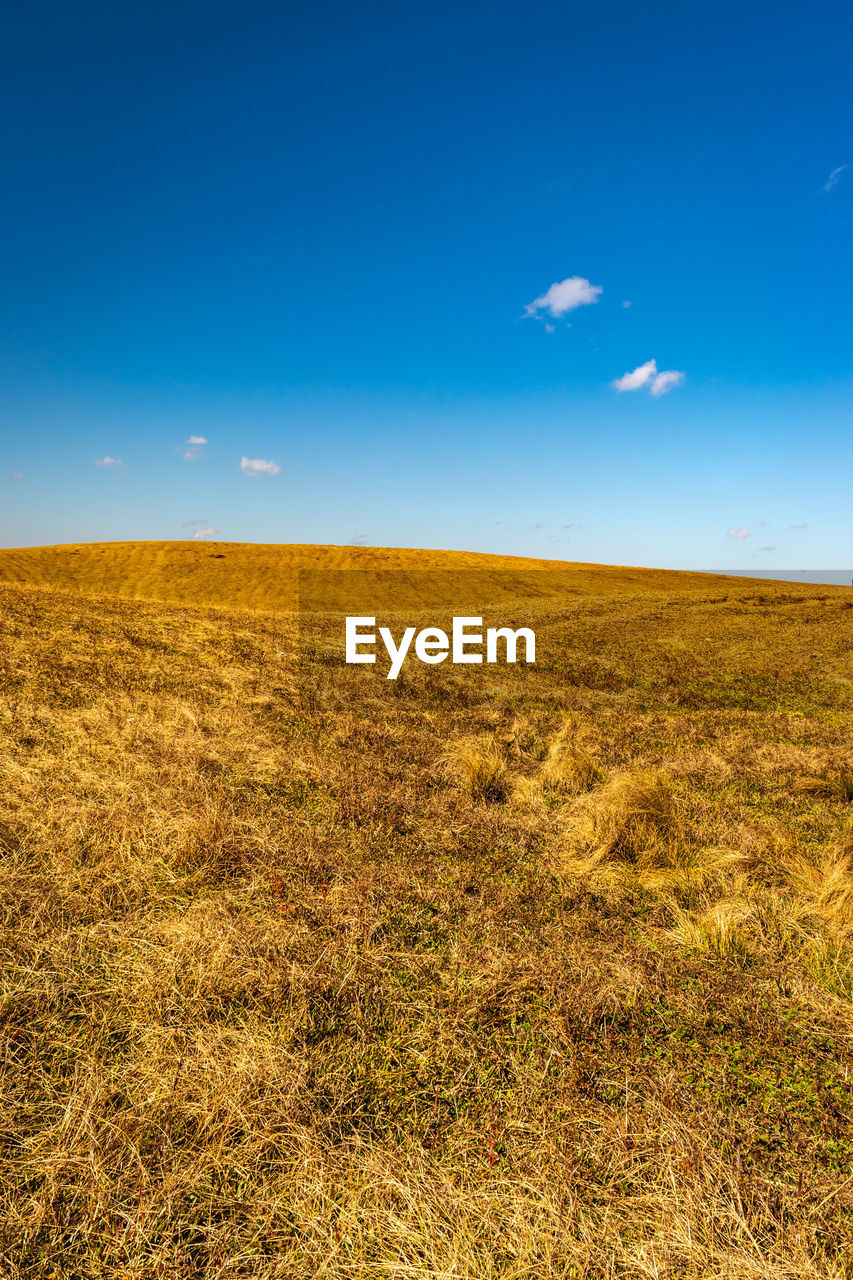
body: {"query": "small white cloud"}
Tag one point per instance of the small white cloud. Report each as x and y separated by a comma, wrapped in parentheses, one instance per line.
(564, 296)
(107, 461)
(210, 532)
(258, 467)
(626, 305)
(17, 475)
(665, 381)
(798, 526)
(637, 378)
(646, 375)
(834, 177)
(739, 534)
(193, 446)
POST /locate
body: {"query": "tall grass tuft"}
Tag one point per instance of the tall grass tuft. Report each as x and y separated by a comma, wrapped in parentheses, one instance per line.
(631, 820)
(719, 929)
(479, 766)
(568, 767)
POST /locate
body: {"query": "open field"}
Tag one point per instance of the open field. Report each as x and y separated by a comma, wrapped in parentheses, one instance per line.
(244, 575)
(534, 972)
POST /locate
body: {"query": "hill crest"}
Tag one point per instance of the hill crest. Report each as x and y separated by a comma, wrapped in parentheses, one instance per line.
(263, 576)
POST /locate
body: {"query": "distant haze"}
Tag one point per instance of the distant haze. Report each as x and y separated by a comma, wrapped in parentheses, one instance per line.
(825, 577)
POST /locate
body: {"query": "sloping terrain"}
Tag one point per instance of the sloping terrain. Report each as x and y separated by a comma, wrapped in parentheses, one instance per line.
(521, 972)
(264, 577)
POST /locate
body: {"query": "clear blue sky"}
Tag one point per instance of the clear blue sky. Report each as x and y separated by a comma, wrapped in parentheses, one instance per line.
(323, 237)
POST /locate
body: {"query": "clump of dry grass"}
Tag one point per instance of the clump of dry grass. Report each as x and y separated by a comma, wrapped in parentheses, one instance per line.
(823, 880)
(568, 768)
(832, 786)
(718, 929)
(630, 821)
(525, 739)
(826, 884)
(479, 766)
(830, 964)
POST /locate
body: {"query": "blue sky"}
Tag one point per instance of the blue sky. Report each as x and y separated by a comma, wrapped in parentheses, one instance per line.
(324, 239)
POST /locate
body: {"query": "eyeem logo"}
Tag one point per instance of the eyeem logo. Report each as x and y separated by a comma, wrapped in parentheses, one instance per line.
(432, 645)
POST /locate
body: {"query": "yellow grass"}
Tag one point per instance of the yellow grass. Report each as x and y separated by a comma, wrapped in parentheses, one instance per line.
(534, 972)
(255, 576)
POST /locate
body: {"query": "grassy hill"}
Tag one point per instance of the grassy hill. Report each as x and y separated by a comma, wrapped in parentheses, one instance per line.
(252, 576)
(521, 972)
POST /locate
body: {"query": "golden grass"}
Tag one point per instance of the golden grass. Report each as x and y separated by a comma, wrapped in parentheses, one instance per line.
(284, 995)
(630, 819)
(569, 767)
(479, 765)
(265, 577)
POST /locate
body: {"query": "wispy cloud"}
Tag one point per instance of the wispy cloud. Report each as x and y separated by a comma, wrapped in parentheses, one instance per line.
(665, 381)
(798, 526)
(107, 461)
(258, 467)
(193, 447)
(360, 539)
(208, 532)
(834, 178)
(564, 296)
(647, 375)
(738, 534)
(17, 475)
(766, 548)
(639, 377)
(626, 304)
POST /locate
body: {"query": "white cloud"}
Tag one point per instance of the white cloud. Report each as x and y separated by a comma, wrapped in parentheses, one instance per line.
(193, 446)
(665, 381)
(626, 305)
(738, 533)
(17, 475)
(638, 377)
(205, 533)
(564, 296)
(798, 526)
(646, 375)
(107, 461)
(834, 177)
(258, 467)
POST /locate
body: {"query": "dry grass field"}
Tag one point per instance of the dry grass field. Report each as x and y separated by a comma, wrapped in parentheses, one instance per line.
(247, 576)
(536, 972)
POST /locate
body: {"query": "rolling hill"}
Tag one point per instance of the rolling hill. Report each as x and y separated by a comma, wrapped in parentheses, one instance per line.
(264, 577)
